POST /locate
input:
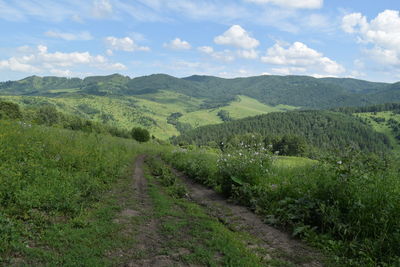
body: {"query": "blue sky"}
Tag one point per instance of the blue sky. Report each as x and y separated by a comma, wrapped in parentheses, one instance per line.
(236, 38)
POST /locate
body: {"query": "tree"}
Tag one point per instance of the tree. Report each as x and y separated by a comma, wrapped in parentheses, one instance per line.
(140, 134)
(9, 110)
(48, 115)
(224, 115)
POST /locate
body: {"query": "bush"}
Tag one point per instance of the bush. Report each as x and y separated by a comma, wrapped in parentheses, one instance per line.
(249, 165)
(9, 110)
(140, 134)
(348, 204)
(47, 115)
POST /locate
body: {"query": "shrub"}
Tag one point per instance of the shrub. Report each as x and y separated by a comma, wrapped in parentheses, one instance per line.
(9, 110)
(140, 134)
(249, 165)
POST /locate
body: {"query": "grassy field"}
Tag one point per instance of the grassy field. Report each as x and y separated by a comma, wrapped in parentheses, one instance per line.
(288, 162)
(149, 111)
(54, 193)
(382, 126)
(241, 108)
(347, 205)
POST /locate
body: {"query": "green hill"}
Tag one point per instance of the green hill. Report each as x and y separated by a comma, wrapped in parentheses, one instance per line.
(149, 101)
(301, 91)
(321, 129)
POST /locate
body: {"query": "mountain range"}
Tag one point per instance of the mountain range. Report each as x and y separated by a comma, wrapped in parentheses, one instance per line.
(299, 91)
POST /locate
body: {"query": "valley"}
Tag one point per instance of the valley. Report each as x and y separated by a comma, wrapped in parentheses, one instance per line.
(251, 183)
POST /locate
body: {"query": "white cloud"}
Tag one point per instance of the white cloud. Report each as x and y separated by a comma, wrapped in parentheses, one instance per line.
(248, 54)
(306, 4)
(383, 33)
(62, 73)
(41, 61)
(206, 49)
(15, 64)
(299, 55)
(238, 37)
(84, 35)
(225, 55)
(178, 44)
(288, 70)
(124, 44)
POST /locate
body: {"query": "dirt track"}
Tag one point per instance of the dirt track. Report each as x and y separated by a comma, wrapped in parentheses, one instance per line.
(148, 239)
(240, 218)
(236, 218)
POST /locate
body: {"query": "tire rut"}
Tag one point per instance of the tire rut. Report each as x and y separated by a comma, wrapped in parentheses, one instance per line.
(239, 218)
(149, 241)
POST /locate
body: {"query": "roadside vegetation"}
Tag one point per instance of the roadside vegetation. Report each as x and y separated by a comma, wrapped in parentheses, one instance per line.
(58, 174)
(346, 204)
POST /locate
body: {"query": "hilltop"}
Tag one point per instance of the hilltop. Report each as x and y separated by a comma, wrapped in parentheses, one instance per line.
(169, 106)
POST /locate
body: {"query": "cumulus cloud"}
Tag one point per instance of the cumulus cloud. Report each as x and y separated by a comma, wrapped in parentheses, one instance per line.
(298, 57)
(56, 63)
(16, 64)
(238, 37)
(124, 44)
(383, 33)
(306, 4)
(68, 36)
(178, 44)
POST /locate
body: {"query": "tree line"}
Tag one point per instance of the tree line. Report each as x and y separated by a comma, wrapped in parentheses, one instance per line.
(321, 130)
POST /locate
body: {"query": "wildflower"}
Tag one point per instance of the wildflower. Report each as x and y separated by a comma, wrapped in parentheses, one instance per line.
(339, 162)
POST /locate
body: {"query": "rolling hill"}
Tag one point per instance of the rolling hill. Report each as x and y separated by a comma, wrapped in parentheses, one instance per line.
(148, 101)
(323, 130)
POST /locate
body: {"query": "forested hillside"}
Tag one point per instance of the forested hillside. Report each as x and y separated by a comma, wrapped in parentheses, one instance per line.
(302, 91)
(321, 129)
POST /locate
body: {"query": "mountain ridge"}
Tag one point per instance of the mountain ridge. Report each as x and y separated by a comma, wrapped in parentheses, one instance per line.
(301, 91)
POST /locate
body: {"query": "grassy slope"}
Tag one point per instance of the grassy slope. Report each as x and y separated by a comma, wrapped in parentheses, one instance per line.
(190, 227)
(55, 209)
(61, 192)
(382, 127)
(150, 110)
(244, 107)
(344, 217)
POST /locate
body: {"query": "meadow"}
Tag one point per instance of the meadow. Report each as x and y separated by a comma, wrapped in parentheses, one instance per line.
(58, 200)
(149, 110)
(380, 121)
(347, 204)
(52, 186)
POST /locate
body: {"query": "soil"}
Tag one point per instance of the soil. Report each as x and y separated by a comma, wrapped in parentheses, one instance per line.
(149, 242)
(239, 218)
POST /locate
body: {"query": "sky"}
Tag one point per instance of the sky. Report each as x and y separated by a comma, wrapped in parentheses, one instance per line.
(225, 38)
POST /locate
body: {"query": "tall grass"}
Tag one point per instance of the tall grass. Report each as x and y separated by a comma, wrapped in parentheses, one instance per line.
(348, 205)
(48, 176)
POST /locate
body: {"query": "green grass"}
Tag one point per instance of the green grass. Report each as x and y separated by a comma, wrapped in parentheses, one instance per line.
(243, 107)
(55, 209)
(206, 241)
(382, 127)
(150, 111)
(288, 162)
(347, 204)
(67, 90)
